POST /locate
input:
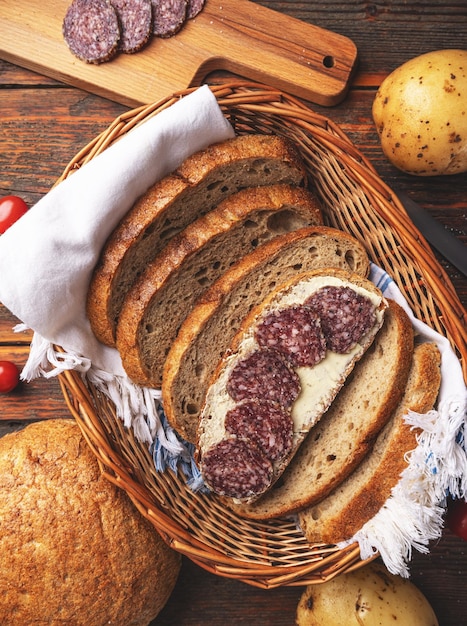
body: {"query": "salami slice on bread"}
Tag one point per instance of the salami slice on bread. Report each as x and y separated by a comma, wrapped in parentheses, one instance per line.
(284, 368)
(197, 186)
(163, 295)
(209, 328)
(347, 431)
(346, 509)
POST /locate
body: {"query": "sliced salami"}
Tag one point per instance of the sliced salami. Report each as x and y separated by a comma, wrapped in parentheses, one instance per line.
(265, 374)
(194, 7)
(268, 425)
(168, 16)
(346, 316)
(237, 469)
(91, 30)
(135, 18)
(295, 332)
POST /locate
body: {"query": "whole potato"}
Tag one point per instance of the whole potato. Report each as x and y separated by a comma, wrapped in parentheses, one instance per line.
(369, 596)
(420, 112)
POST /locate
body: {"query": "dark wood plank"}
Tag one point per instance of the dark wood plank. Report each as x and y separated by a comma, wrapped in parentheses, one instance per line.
(203, 598)
(60, 124)
(14, 75)
(385, 33)
(30, 401)
(45, 123)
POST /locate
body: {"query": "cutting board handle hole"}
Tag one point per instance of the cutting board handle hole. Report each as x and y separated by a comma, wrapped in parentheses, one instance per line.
(328, 61)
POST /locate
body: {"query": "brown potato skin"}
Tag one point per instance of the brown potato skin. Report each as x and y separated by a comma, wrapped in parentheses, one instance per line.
(368, 596)
(420, 114)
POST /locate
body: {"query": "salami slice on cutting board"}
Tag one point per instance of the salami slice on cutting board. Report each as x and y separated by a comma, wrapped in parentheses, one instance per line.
(95, 30)
(168, 16)
(194, 7)
(135, 19)
(91, 30)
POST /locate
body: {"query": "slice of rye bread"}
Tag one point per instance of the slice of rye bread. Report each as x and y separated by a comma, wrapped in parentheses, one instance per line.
(208, 330)
(165, 292)
(347, 431)
(201, 182)
(319, 383)
(344, 511)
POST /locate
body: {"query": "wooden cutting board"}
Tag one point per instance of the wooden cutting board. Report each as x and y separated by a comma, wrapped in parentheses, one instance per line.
(235, 35)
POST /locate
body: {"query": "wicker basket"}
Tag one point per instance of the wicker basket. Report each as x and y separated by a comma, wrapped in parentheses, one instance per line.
(274, 553)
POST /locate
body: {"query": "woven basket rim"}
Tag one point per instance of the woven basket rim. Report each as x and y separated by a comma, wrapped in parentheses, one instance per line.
(437, 304)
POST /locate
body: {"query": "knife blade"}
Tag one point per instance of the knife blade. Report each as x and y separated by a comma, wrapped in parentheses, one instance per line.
(452, 248)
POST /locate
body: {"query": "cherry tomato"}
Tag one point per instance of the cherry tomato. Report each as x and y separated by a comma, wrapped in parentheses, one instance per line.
(11, 209)
(9, 376)
(456, 518)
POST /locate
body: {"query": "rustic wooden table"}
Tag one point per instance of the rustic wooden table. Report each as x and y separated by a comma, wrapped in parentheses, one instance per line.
(45, 123)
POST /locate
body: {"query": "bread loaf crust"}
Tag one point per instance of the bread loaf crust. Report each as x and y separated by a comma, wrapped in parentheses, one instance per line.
(207, 331)
(339, 516)
(163, 295)
(316, 395)
(347, 431)
(72, 543)
(198, 185)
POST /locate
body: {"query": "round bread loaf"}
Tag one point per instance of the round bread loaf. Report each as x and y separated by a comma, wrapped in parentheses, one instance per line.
(73, 548)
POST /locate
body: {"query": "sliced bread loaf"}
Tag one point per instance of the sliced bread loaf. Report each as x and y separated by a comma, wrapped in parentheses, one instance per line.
(208, 330)
(343, 512)
(346, 432)
(199, 184)
(283, 369)
(165, 292)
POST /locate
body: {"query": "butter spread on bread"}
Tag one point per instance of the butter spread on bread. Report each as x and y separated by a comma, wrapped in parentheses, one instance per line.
(234, 464)
(209, 328)
(201, 182)
(347, 431)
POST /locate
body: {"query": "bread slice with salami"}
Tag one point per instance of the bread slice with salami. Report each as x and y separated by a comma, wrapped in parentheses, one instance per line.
(162, 297)
(209, 328)
(283, 369)
(353, 503)
(201, 182)
(347, 431)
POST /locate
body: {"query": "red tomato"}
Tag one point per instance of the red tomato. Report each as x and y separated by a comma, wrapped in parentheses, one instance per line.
(457, 518)
(9, 376)
(11, 209)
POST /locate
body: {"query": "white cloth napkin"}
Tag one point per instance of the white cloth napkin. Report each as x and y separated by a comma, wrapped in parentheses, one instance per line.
(47, 257)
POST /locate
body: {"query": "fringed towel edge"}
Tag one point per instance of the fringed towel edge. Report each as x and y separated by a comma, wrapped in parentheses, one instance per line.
(139, 408)
(414, 513)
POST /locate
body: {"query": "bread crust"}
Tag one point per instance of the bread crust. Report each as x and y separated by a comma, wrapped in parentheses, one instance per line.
(311, 405)
(101, 307)
(163, 295)
(72, 543)
(339, 516)
(200, 345)
(199, 184)
(347, 431)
